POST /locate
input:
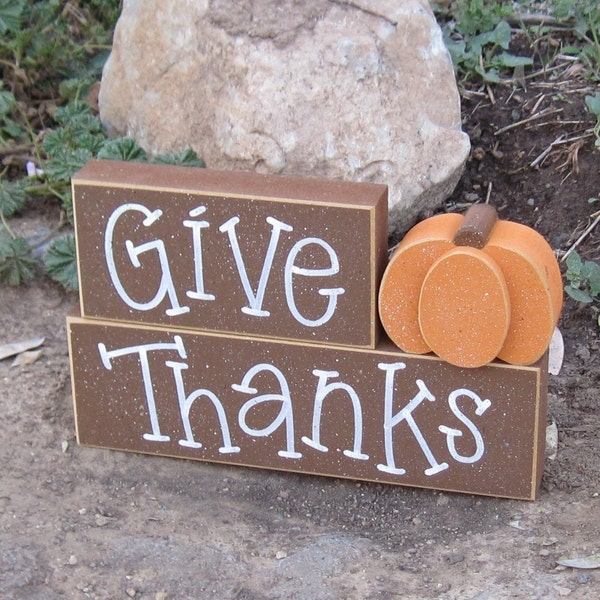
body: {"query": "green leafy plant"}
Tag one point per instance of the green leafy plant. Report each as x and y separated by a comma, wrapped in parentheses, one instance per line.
(584, 280)
(64, 150)
(585, 16)
(476, 16)
(47, 42)
(479, 39)
(51, 52)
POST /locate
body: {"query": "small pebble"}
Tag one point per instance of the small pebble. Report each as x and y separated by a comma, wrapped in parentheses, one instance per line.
(478, 153)
(131, 592)
(72, 560)
(563, 591)
(280, 554)
(583, 353)
(101, 520)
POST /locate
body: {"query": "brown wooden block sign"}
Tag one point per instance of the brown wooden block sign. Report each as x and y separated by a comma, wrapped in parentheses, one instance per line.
(231, 252)
(369, 414)
(472, 290)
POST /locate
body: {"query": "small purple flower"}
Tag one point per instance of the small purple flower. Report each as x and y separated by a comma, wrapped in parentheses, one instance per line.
(32, 170)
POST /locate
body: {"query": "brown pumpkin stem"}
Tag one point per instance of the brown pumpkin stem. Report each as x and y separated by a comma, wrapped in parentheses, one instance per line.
(476, 226)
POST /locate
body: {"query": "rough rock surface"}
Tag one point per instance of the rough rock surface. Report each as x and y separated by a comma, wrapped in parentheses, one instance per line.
(360, 90)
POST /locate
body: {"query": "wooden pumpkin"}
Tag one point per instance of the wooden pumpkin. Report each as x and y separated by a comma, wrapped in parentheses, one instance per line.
(472, 289)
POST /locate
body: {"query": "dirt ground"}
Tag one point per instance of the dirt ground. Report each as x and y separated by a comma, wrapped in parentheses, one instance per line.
(77, 522)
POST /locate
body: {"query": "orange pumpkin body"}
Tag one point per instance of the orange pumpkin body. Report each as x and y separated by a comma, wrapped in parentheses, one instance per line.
(500, 298)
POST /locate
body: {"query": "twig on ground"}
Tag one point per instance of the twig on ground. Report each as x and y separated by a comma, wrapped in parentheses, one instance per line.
(582, 236)
(566, 64)
(561, 140)
(17, 160)
(540, 158)
(17, 149)
(556, 122)
(586, 134)
(489, 193)
(520, 19)
(535, 117)
(572, 159)
(559, 85)
(537, 104)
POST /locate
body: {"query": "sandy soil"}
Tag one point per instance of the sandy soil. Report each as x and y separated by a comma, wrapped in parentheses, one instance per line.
(77, 522)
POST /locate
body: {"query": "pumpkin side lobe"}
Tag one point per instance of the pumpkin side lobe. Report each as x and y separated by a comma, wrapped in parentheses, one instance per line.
(401, 283)
(535, 289)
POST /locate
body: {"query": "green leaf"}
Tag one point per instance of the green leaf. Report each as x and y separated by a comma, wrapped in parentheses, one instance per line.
(12, 129)
(586, 269)
(64, 139)
(65, 163)
(83, 126)
(186, 158)
(581, 27)
(65, 114)
(10, 15)
(80, 130)
(593, 269)
(593, 104)
(55, 140)
(507, 60)
(475, 16)
(74, 88)
(457, 49)
(7, 102)
(16, 263)
(479, 41)
(122, 149)
(12, 197)
(60, 261)
(578, 295)
(574, 264)
(502, 35)
(491, 75)
(67, 204)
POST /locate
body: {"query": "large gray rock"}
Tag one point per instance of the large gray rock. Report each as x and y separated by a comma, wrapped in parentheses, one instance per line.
(360, 90)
